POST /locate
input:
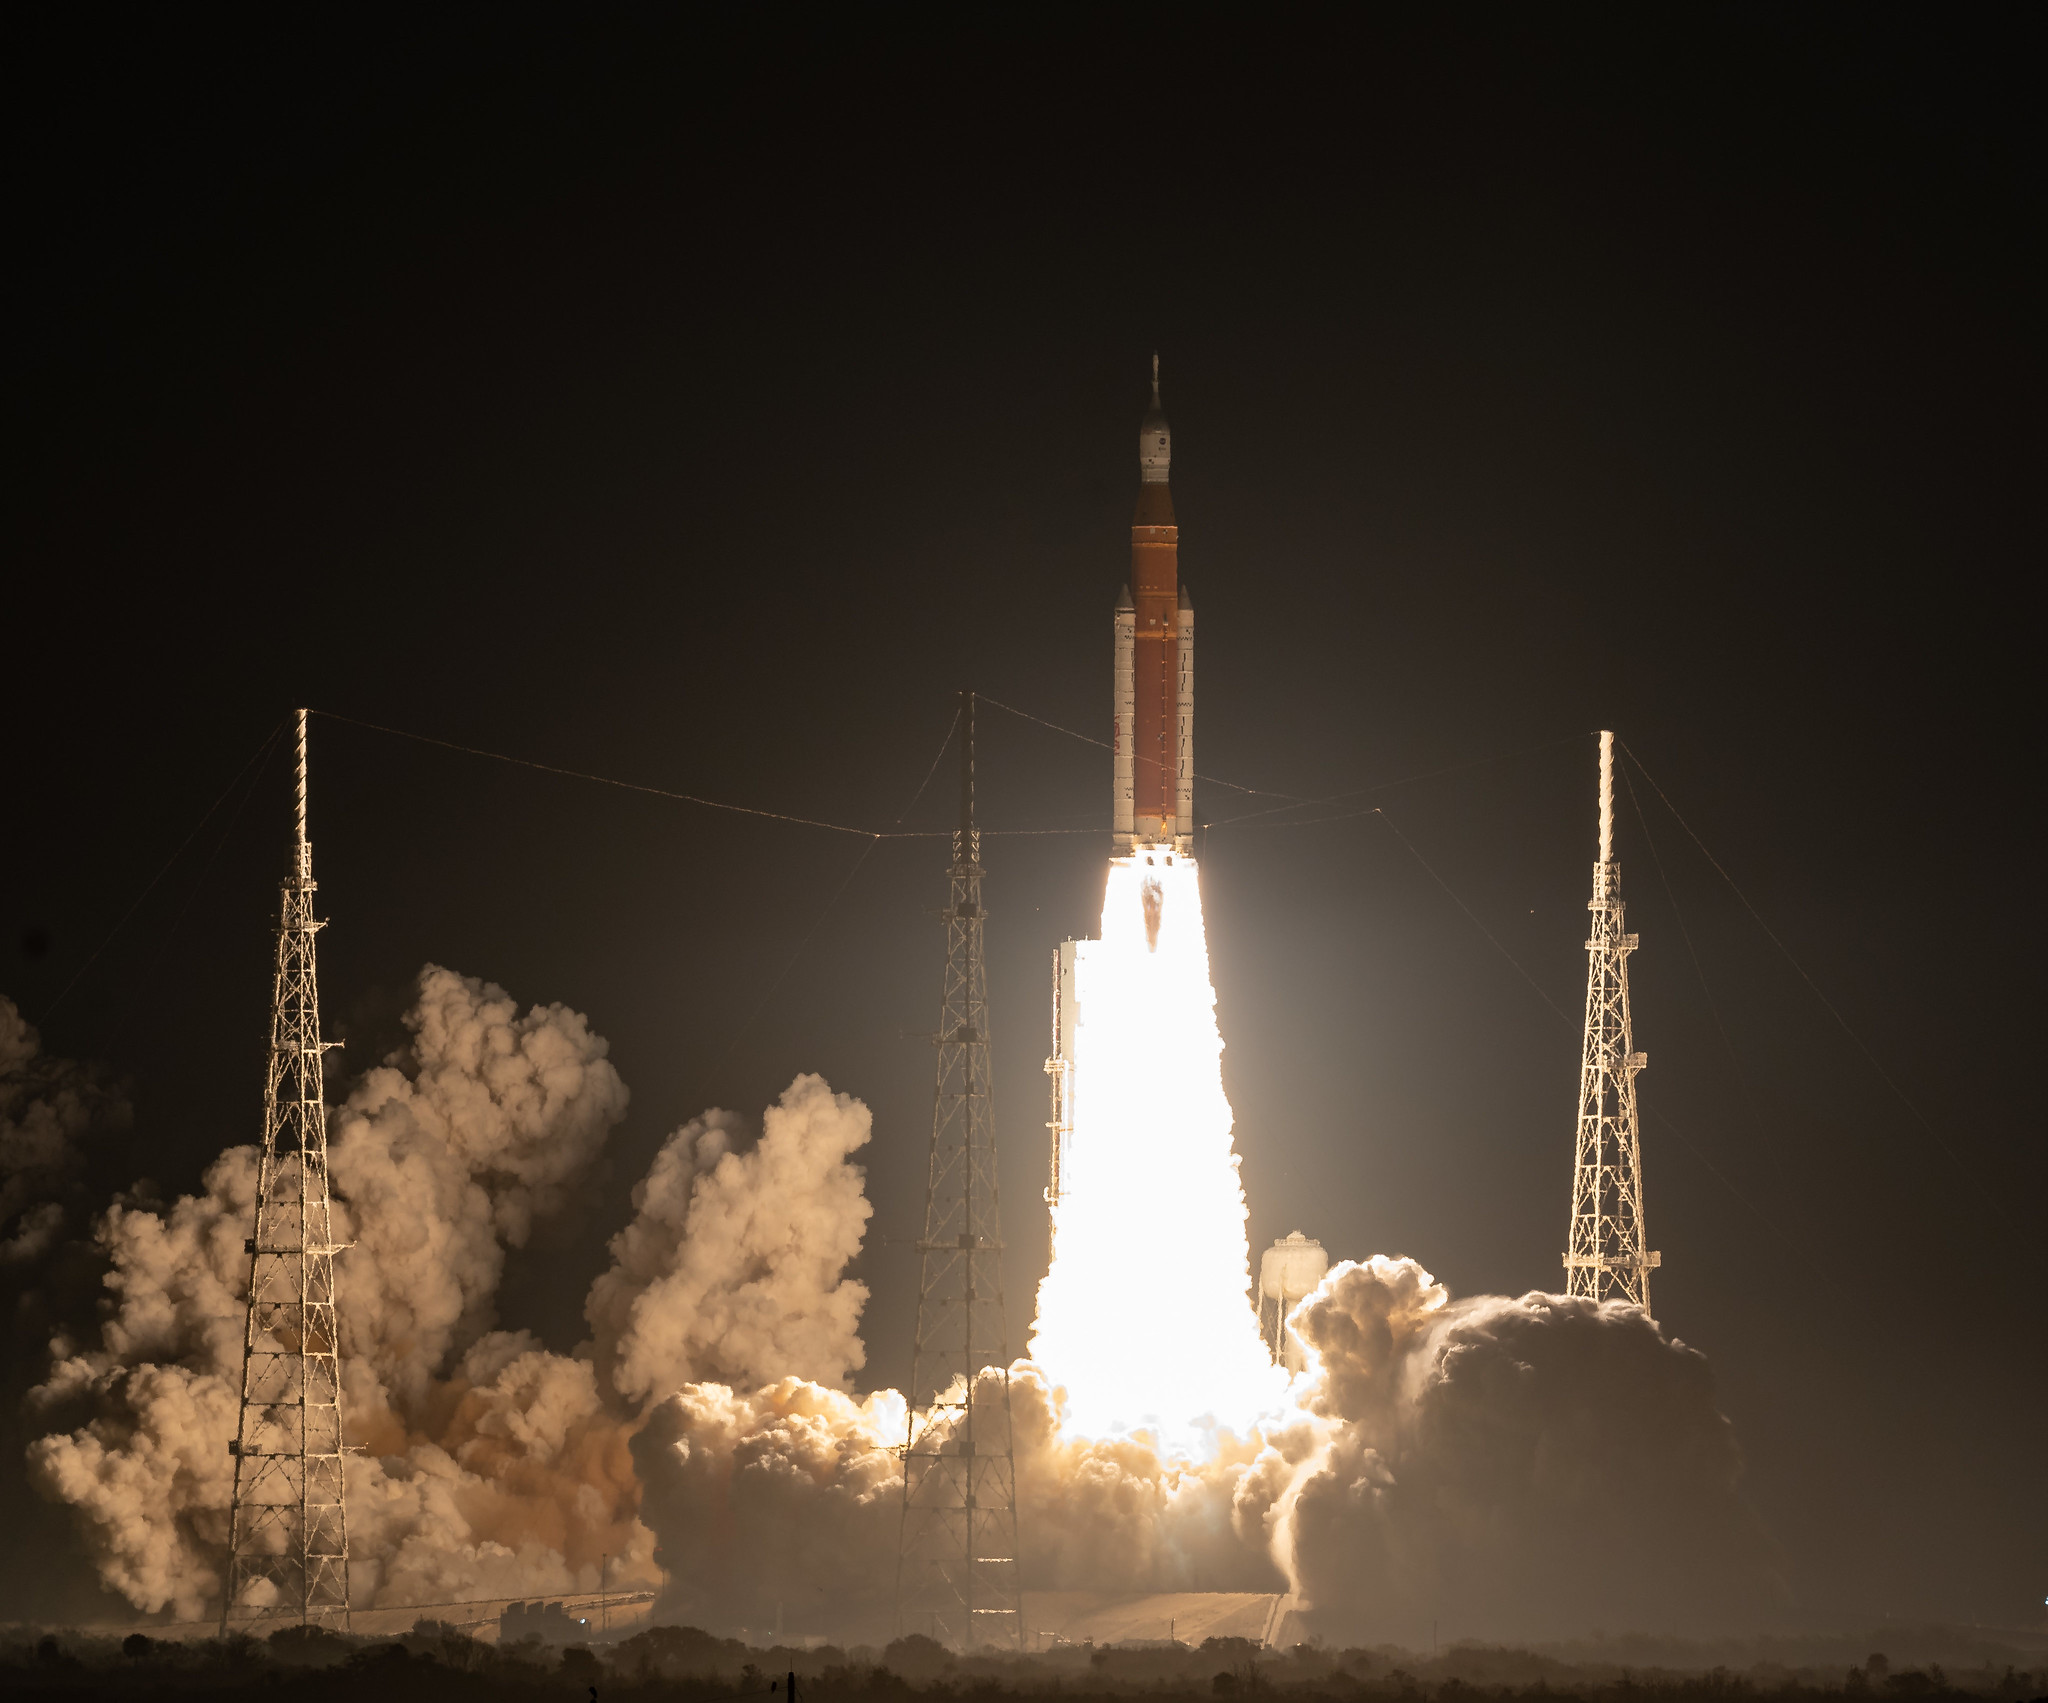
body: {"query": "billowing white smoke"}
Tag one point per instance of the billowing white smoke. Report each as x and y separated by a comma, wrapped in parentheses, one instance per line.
(1536, 1466)
(491, 1466)
(787, 1493)
(516, 1479)
(1517, 1467)
(1513, 1464)
(1435, 1456)
(524, 1478)
(793, 1494)
(1152, 1215)
(445, 1156)
(448, 1156)
(149, 1474)
(733, 1267)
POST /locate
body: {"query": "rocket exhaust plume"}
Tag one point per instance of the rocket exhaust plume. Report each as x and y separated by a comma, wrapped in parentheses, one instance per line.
(1147, 1201)
(1145, 1318)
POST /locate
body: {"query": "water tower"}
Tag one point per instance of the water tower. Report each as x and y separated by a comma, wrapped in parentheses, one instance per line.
(1288, 1270)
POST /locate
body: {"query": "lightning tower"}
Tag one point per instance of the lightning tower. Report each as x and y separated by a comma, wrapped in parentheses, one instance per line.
(288, 1529)
(1608, 1255)
(956, 1570)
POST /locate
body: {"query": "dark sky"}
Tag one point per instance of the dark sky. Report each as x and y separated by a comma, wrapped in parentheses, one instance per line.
(705, 410)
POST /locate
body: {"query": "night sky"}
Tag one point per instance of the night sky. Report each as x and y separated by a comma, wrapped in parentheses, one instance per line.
(705, 411)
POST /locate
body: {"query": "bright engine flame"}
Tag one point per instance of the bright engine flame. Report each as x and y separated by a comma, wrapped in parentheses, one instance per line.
(1145, 1317)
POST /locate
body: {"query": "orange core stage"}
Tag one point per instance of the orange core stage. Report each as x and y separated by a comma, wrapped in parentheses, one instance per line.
(1154, 677)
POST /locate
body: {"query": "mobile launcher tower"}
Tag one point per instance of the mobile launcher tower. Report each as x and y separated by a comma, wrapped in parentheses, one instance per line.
(1152, 788)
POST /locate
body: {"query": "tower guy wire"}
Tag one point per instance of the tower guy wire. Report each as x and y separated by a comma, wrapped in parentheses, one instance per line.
(288, 1521)
(1799, 1249)
(1607, 1254)
(839, 893)
(1970, 1172)
(956, 1569)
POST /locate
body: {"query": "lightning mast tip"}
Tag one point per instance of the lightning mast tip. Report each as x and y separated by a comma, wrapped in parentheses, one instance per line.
(304, 851)
(1606, 797)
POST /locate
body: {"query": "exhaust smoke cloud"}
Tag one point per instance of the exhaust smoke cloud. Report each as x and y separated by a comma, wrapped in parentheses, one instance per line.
(732, 1268)
(1528, 1466)
(484, 1462)
(1436, 1452)
(490, 1466)
(1537, 1464)
(48, 1109)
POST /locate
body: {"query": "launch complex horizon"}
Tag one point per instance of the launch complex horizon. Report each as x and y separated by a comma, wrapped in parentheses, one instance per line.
(844, 1076)
(1234, 1416)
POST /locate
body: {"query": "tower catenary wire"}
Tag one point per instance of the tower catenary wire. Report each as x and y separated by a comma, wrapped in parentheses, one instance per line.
(1607, 1256)
(288, 1521)
(957, 1577)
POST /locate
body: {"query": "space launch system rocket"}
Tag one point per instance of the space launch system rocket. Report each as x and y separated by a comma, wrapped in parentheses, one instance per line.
(1153, 788)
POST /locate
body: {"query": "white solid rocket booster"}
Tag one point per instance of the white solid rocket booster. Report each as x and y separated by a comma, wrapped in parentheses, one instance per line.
(1184, 729)
(1124, 710)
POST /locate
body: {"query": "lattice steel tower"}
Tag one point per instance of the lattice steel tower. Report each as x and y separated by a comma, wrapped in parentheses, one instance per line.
(288, 1542)
(956, 1569)
(1608, 1257)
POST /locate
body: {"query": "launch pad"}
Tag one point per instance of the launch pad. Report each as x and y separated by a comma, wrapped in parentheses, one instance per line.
(1155, 1617)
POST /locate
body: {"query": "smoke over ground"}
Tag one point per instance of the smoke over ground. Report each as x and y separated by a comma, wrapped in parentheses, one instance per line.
(1535, 1464)
(49, 1110)
(63, 1134)
(733, 1267)
(1520, 1464)
(794, 1493)
(491, 1466)
(1545, 1464)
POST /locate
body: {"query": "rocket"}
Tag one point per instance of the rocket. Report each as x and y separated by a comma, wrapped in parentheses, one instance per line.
(1153, 784)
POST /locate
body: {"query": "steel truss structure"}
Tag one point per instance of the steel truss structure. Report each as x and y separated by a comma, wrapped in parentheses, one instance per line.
(956, 1572)
(1608, 1255)
(288, 1529)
